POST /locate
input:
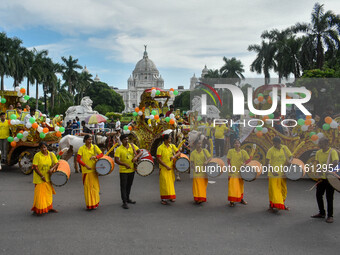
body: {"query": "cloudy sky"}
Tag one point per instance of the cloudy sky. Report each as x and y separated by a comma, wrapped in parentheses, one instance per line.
(182, 36)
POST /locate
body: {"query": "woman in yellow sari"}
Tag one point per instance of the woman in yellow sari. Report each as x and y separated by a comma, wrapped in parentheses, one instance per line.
(236, 159)
(199, 157)
(87, 155)
(166, 153)
(278, 156)
(43, 191)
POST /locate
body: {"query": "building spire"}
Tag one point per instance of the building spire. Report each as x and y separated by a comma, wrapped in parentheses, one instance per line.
(145, 52)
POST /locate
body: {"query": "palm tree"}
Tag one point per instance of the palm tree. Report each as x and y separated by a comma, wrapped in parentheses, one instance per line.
(232, 69)
(84, 81)
(5, 63)
(264, 61)
(70, 74)
(28, 62)
(50, 79)
(322, 31)
(213, 73)
(17, 69)
(37, 70)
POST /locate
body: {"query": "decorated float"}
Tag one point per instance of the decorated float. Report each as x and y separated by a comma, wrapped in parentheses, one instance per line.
(25, 137)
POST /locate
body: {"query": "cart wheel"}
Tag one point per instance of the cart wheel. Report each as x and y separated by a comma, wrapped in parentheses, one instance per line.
(25, 162)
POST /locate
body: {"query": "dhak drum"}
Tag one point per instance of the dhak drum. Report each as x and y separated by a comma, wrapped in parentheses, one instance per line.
(333, 178)
(296, 170)
(62, 174)
(105, 165)
(251, 171)
(145, 164)
(182, 164)
(215, 167)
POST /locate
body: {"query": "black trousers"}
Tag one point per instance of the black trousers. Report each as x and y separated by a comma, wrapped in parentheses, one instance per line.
(219, 147)
(320, 191)
(126, 180)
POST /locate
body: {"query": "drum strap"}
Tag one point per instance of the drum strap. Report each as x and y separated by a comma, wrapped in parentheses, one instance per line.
(133, 148)
(329, 157)
(285, 154)
(53, 163)
(205, 155)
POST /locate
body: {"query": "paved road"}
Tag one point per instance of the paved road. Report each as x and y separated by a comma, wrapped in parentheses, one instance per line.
(151, 228)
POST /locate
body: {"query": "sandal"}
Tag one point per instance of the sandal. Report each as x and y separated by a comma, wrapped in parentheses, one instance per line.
(243, 202)
(232, 204)
(287, 208)
(172, 200)
(163, 202)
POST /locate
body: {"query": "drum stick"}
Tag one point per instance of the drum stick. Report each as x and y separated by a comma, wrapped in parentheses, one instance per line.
(313, 186)
(181, 144)
(112, 148)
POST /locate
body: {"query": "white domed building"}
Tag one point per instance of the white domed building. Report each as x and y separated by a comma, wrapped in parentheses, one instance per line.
(144, 76)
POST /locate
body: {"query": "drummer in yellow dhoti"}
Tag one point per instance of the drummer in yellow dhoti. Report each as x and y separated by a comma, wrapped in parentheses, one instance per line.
(87, 155)
(166, 153)
(43, 163)
(199, 157)
(278, 157)
(237, 158)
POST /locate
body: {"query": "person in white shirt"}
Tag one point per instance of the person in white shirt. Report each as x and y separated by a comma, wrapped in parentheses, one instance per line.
(117, 124)
(28, 116)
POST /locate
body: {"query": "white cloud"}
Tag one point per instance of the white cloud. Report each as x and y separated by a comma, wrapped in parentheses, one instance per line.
(181, 34)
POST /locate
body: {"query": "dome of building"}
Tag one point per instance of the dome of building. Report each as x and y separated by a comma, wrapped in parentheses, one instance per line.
(96, 78)
(85, 70)
(145, 65)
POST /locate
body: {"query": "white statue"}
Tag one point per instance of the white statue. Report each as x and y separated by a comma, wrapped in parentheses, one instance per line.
(81, 111)
(84, 107)
(212, 110)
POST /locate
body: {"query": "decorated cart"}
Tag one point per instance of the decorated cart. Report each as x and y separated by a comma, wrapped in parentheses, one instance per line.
(147, 132)
(25, 137)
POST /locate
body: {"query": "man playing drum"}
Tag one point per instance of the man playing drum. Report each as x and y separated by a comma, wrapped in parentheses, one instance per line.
(327, 158)
(278, 156)
(125, 157)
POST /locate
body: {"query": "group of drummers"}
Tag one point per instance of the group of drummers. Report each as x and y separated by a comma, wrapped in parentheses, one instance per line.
(130, 159)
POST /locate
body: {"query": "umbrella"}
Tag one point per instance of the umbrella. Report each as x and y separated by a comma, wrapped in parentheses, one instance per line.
(95, 119)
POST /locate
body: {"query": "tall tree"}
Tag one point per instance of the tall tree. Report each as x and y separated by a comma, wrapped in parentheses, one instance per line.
(232, 69)
(37, 70)
(84, 81)
(17, 69)
(70, 74)
(264, 60)
(213, 73)
(28, 62)
(322, 33)
(5, 61)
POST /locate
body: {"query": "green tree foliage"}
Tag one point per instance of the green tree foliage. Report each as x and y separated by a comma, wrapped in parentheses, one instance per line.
(182, 101)
(104, 98)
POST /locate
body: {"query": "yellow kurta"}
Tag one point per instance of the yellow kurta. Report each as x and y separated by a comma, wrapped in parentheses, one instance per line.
(90, 177)
(277, 185)
(322, 157)
(167, 177)
(200, 180)
(43, 191)
(126, 156)
(235, 182)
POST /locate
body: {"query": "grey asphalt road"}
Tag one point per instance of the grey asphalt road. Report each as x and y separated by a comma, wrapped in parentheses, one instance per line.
(151, 228)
